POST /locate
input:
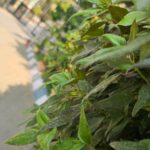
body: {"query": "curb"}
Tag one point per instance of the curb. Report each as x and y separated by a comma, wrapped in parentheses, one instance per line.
(38, 87)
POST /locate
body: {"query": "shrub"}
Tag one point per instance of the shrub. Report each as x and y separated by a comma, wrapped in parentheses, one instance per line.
(100, 98)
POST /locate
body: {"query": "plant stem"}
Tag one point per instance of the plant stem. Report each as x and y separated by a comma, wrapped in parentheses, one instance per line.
(142, 76)
(137, 70)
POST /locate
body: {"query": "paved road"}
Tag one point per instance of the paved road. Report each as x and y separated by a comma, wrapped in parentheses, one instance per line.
(15, 79)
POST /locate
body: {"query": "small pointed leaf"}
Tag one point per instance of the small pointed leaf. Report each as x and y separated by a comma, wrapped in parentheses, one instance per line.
(129, 145)
(117, 12)
(69, 144)
(25, 138)
(45, 139)
(116, 40)
(84, 132)
(102, 86)
(128, 19)
(84, 13)
(42, 118)
(143, 99)
(133, 31)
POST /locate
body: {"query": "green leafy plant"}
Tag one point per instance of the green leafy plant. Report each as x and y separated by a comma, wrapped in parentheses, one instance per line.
(99, 80)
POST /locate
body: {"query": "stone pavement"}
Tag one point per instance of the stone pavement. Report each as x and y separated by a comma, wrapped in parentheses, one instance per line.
(15, 79)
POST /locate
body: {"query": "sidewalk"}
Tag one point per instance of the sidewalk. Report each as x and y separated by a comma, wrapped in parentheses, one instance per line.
(15, 79)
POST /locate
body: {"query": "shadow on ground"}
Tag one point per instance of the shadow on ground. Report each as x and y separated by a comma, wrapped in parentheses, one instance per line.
(13, 105)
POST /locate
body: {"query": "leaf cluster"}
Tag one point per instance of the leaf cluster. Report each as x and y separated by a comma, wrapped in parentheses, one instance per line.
(100, 98)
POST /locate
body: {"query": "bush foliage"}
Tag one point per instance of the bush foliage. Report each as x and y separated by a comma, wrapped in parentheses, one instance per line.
(98, 62)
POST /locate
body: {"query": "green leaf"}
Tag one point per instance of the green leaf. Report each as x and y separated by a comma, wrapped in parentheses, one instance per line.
(116, 40)
(145, 51)
(142, 64)
(115, 103)
(104, 4)
(142, 5)
(128, 19)
(121, 63)
(118, 129)
(28, 137)
(69, 144)
(42, 118)
(133, 31)
(117, 13)
(84, 86)
(84, 132)
(115, 107)
(129, 145)
(62, 78)
(94, 1)
(94, 30)
(143, 99)
(98, 56)
(84, 13)
(32, 122)
(64, 117)
(101, 86)
(114, 52)
(77, 146)
(45, 139)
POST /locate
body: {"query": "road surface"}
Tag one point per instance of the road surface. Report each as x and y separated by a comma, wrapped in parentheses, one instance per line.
(15, 79)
